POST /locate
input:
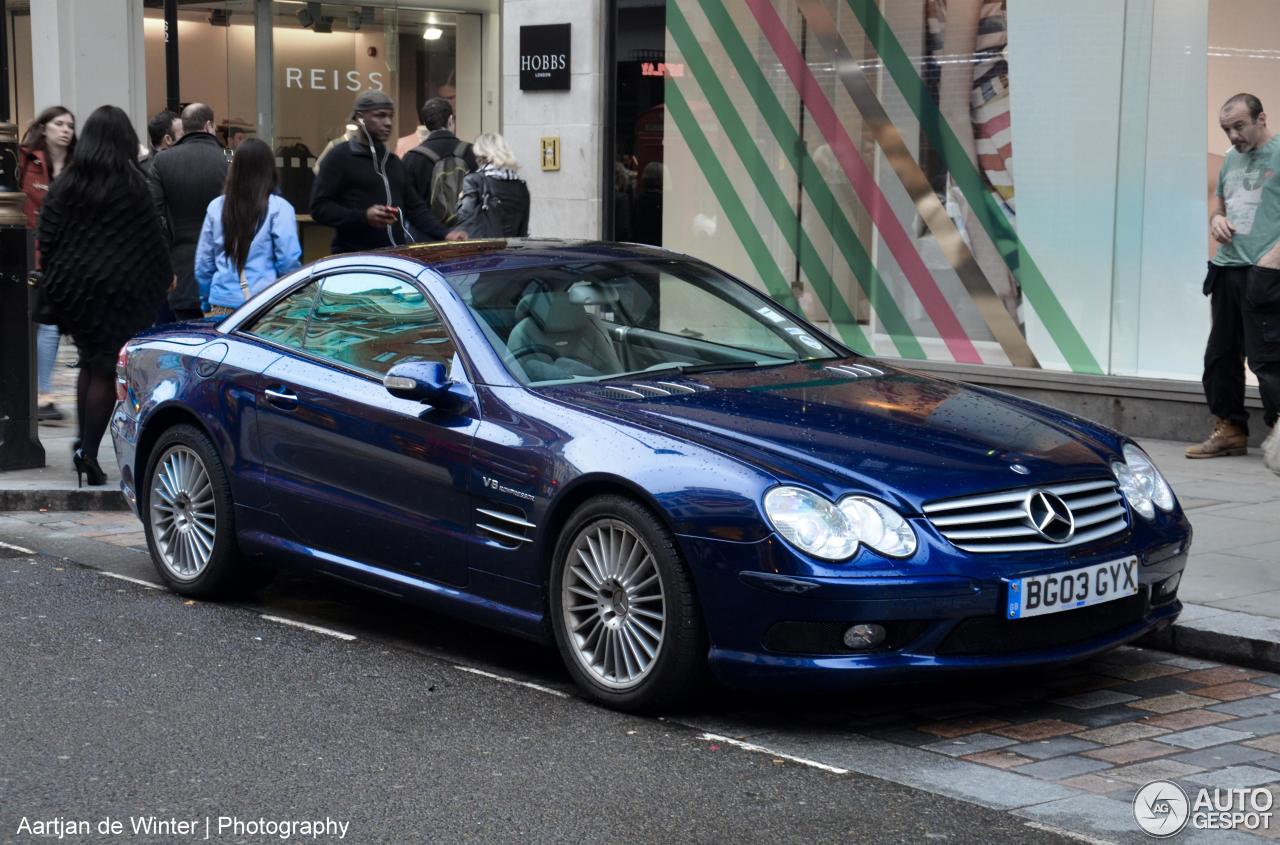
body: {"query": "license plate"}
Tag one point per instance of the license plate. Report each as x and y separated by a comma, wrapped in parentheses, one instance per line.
(1037, 595)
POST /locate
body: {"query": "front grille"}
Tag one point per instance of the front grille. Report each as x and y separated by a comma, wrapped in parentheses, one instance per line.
(998, 522)
(997, 635)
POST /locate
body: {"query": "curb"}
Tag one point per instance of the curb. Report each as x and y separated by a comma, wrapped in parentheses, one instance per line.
(63, 500)
(1226, 636)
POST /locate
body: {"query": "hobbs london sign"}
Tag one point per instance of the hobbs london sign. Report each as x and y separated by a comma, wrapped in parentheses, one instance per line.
(544, 57)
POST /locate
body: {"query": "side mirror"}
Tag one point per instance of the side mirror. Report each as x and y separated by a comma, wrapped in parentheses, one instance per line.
(425, 381)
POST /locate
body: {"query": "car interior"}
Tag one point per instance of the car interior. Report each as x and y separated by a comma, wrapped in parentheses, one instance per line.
(566, 323)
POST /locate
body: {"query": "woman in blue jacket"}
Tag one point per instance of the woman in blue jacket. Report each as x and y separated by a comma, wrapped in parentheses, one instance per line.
(250, 234)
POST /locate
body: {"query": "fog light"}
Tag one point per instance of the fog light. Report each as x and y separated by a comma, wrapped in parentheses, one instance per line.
(864, 636)
(1168, 586)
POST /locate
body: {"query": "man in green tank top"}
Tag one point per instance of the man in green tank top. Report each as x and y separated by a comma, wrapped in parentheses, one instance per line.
(1243, 281)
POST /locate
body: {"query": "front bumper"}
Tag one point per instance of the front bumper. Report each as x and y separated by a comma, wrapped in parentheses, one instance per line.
(770, 628)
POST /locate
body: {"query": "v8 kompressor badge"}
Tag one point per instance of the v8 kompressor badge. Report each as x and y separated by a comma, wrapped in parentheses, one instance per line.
(495, 484)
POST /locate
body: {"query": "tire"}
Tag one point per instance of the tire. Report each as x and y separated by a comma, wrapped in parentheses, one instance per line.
(623, 608)
(189, 519)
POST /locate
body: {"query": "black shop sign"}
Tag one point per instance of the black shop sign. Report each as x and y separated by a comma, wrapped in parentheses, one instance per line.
(544, 57)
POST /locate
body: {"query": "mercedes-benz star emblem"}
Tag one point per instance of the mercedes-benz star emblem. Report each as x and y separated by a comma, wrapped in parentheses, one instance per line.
(1049, 516)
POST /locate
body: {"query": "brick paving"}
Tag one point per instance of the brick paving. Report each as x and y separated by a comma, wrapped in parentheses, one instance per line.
(1165, 717)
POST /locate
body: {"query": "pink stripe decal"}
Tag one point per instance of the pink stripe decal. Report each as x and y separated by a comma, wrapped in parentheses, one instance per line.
(995, 125)
(864, 184)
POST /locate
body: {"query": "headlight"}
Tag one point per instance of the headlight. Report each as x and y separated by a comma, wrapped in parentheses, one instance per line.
(833, 532)
(879, 526)
(1141, 483)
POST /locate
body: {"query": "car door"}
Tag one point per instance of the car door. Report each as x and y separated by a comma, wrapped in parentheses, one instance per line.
(351, 470)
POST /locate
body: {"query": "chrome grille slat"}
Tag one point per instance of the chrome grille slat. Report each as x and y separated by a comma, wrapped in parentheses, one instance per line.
(994, 522)
(1099, 516)
(1092, 501)
(1078, 540)
(1065, 490)
(976, 501)
(985, 533)
(968, 519)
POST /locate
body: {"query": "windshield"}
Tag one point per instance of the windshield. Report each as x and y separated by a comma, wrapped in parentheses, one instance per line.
(601, 320)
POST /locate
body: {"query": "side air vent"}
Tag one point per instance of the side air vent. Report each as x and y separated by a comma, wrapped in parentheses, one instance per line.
(646, 389)
(511, 530)
(621, 393)
(855, 370)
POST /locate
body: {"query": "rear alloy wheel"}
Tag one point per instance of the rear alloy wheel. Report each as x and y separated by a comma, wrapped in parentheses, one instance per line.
(623, 608)
(189, 522)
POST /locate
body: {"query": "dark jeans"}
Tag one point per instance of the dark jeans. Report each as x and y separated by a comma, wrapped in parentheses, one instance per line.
(1245, 304)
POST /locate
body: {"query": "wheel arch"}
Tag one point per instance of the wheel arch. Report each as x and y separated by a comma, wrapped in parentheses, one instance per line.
(160, 421)
(582, 490)
(586, 488)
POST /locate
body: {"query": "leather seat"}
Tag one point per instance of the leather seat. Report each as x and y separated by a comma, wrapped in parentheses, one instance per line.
(553, 330)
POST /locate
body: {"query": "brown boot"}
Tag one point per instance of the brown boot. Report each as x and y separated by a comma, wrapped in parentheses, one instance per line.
(1228, 438)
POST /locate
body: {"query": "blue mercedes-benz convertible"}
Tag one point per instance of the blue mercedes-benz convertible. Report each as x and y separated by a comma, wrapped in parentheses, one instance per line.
(629, 453)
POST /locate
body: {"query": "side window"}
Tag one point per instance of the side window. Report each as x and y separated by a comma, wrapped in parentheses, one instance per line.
(373, 322)
(286, 321)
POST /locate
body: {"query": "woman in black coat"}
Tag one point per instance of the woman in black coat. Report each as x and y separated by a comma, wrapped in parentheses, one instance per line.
(494, 201)
(105, 266)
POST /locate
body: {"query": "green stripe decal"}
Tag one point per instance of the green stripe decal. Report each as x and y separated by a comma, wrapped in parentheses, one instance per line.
(797, 154)
(967, 178)
(784, 215)
(775, 283)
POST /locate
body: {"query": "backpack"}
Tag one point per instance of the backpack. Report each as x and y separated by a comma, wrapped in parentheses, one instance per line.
(447, 172)
(486, 222)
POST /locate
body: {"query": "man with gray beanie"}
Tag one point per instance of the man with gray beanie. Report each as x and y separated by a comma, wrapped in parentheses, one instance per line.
(363, 192)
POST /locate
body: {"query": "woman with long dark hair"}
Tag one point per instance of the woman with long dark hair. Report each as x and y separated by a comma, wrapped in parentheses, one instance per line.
(250, 233)
(105, 266)
(45, 152)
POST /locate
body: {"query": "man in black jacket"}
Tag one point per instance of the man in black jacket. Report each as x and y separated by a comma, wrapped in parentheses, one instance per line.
(362, 190)
(440, 143)
(184, 179)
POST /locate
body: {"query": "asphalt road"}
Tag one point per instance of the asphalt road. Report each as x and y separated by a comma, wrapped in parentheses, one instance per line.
(119, 702)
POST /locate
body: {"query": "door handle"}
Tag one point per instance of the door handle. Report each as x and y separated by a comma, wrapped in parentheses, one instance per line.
(283, 398)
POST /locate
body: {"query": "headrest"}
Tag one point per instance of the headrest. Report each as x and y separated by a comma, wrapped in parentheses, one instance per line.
(552, 311)
(589, 293)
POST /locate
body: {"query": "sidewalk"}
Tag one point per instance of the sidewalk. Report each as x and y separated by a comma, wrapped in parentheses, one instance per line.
(53, 487)
(1231, 587)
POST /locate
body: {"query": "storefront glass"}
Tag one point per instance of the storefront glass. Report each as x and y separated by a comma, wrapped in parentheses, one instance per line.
(322, 55)
(856, 159)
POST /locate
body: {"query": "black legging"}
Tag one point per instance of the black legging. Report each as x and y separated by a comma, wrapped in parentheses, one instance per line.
(95, 398)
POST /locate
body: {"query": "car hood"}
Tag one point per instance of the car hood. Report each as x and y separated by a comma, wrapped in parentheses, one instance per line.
(854, 424)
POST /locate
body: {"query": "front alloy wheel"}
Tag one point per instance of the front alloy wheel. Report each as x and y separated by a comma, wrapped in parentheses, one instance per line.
(614, 608)
(623, 608)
